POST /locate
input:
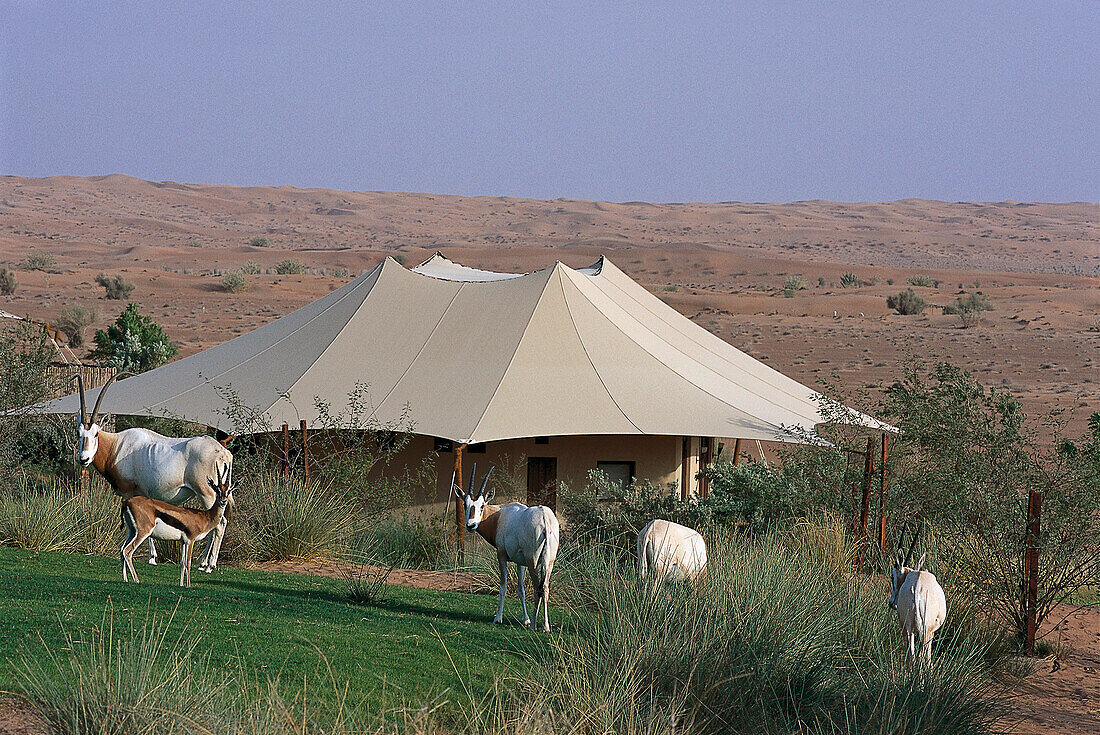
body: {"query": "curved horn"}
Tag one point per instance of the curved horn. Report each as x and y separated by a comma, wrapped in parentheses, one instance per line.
(913, 544)
(103, 392)
(83, 407)
(470, 487)
(485, 481)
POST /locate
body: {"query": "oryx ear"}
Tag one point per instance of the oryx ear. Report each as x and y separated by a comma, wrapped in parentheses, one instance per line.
(920, 564)
(901, 558)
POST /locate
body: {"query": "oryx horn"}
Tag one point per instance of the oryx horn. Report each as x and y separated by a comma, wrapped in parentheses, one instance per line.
(485, 481)
(103, 392)
(83, 408)
(470, 487)
(913, 544)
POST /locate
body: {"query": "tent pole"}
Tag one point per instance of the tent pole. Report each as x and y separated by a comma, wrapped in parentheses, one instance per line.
(736, 451)
(460, 520)
(305, 452)
(286, 451)
(882, 494)
(685, 473)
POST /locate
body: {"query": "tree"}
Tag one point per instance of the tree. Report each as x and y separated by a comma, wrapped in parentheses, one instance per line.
(134, 343)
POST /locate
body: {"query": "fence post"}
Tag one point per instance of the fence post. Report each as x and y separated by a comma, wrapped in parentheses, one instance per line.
(1031, 567)
(882, 494)
(460, 518)
(305, 452)
(864, 508)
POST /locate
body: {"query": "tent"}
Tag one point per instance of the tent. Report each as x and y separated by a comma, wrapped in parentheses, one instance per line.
(475, 356)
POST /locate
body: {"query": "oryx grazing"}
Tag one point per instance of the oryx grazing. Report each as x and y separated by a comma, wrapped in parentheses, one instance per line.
(143, 462)
(670, 552)
(919, 601)
(144, 518)
(525, 536)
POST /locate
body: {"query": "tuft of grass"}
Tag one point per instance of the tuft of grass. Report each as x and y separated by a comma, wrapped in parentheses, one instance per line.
(234, 282)
(925, 281)
(849, 280)
(340, 273)
(793, 284)
(37, 261)
(259, 242)
(251, 268)
(411, 542)
(57, 516)
(290, 267)
(288, 520)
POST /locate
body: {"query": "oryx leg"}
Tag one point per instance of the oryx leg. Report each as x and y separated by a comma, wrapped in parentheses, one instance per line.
(152, 551)
(542, 589)
(185, 563)
(521, 590)
(209, 560)
(503, 587)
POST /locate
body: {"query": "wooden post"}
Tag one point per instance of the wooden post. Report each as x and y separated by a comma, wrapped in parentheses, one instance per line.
(305, 452)
(868, 471)
(1031, 567)
(704, 462)
(882, 494)
(460, 516)
(736, 451)
(286, 451)
(685, 473)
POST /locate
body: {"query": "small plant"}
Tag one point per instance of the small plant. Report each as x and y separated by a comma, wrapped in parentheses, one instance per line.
(289, 267)
(117, 287)
(670, 288)
(251, 268)
(907, 302)
(340, 273)
(192, 242)
(366, 582)
(74, 319)
(821, 281)
(925, 281)
(849, 280)
(259, 242)
(400, 258)
(37, 261)
(134, 343)
(970, 308)
(889, 281)
(234, 282)
(793, 284)
(7, 282)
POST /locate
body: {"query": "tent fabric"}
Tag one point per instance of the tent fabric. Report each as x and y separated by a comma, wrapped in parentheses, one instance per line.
(473, 356)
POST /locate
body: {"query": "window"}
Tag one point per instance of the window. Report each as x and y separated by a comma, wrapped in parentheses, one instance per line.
(621, 473)
(476, 448)
(444, 445)
(542, 440)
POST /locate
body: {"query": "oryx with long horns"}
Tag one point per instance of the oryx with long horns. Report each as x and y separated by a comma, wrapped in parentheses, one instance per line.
(525, 536)
(142, 462)
(919, 601)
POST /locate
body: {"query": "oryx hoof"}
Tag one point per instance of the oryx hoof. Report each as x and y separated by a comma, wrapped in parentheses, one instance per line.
(153, 562)
(498, 621)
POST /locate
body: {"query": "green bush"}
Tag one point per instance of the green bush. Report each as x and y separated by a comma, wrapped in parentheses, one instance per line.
(259, 242)
(117, 287)
(29, 440)
(794, 284)
(37, 261)
(969, 308)
(340, 273)
(234, 282)
(849, 280)
(925, 281)
(134, 343)
(251, 268)
(7, 282)
(907, 302)
(74, 319)
(289, 267)
(55, 515)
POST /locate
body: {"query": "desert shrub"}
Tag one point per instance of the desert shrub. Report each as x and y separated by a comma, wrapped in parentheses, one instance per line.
(756, 646)
(793, 284)
(340, 273)
(56, 515)
(969, 308)
(964, 463)
(37, 261)
(289, 267)
(251, 268)
(400, 258)
(925, 281)
(259, 242)
(849, 280)
(234, 282)
(907, 302)
(821, 281)
(116, 287)
(134, 343)
(74, 319)
(411, 542)
(8, 284)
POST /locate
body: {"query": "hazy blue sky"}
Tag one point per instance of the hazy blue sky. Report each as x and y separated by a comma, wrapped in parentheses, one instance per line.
(764, 101)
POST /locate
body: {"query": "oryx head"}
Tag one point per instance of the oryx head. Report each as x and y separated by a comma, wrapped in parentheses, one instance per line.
(901, 567)
(475, 504)
(88, 429)
(224, 486)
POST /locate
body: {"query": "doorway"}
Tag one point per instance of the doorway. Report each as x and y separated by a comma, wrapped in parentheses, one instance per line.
(542, 481)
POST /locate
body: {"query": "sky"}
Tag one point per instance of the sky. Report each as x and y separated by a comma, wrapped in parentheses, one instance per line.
(746, 101)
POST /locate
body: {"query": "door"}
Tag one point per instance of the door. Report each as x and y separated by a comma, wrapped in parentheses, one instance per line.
(542, 481)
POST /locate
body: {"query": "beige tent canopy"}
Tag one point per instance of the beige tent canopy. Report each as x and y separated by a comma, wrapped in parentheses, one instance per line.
(477, 356)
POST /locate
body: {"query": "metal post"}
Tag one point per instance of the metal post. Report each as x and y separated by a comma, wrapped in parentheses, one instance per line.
(882, 495)
(305, 452)
(460, 517)
(1031, 567)
(286, 451)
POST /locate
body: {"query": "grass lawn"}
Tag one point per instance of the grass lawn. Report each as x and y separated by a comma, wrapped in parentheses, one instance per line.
(270, 623)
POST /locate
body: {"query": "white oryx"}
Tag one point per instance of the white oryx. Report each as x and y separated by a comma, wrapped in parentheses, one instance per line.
(670, 552)
(143, 462)
(525, 536)
(144, 518)
(919, 601)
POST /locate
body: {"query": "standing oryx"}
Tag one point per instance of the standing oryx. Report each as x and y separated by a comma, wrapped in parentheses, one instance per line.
(144, 518)
(670, 552)
(143, 462)
(919, 601)
(525, 536)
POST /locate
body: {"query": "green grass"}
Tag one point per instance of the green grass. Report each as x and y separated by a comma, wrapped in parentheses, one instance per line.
(390, 653)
